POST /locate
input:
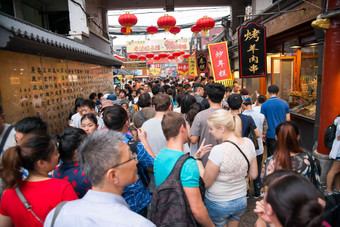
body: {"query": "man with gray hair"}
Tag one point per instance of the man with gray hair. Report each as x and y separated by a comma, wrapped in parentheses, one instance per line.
(108, 163)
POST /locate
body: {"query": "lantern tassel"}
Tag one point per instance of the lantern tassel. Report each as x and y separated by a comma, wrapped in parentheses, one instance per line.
(205, 33)
(128, 30)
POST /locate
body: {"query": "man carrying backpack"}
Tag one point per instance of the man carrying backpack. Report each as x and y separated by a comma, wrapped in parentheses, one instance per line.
(177, 199)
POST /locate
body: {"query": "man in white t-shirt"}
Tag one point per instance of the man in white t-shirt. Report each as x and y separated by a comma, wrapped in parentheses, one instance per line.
(86, 107)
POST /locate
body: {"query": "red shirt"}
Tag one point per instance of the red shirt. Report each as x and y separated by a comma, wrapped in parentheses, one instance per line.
(43, 196)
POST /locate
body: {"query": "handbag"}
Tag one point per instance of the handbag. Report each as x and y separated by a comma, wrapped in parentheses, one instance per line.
(252, 136)
(26, 204)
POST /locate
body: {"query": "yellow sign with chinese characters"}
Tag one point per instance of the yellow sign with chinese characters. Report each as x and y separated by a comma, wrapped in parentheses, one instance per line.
(192, 66)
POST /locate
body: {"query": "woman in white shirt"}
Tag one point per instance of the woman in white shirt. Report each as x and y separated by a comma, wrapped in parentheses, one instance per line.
(226, 169)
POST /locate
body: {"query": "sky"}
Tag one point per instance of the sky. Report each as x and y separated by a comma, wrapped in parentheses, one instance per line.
(148, 17)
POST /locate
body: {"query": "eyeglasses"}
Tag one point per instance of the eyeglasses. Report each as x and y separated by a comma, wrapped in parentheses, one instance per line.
(134, 157)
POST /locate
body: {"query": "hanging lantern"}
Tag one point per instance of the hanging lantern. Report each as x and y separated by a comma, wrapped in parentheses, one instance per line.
(149, 55)
(205, 23)
(186, 56)
(125, 32)
(195, 29)
(176, 54)
(175, 30)
(133, 56)
(156, 58)
(142, 57)
(152, 30)
(171, 57)
(166, 22)
(128, 20)
(182, 52)
(163, 55)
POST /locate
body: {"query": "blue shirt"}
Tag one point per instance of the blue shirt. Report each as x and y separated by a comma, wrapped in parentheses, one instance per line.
(71, 172)
(275, 110)
(97, 209)
(165, 162)
(137, 195)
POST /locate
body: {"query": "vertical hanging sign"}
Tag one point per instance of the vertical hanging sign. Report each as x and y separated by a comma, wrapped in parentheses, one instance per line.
(192, 66)
(219, 59)
(252, 50)
(202, 61)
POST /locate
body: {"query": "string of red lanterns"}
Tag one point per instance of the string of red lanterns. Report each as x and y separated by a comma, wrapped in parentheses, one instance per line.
(205, 23)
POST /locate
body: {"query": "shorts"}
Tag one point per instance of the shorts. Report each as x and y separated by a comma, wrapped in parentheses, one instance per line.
(221, 212)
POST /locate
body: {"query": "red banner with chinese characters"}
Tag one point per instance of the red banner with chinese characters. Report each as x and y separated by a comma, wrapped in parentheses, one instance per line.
(220, 62)
(183, 68)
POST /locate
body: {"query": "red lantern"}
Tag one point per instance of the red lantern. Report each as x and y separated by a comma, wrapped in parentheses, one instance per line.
(176, 54)
(186, 55)
(128, 20)
(163, 55)
(175, 30)
(166, 22)
(156, 57)
(182, 52)
(171, 57)
(133, 56)
(195, 29)
(125, 32)
(205, 23)
(142, 57)
(152, 30)
(149, 55)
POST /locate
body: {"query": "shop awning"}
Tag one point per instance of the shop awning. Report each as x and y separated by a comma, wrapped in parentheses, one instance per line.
(122, 72)
(21, 36)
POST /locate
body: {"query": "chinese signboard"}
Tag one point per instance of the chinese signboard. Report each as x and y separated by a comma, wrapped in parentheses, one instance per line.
(135, 65)
(192, 66)
(252, 50)
(220, 62)
(183, 68)
(202, 62)
(155, 71)
(143, 46)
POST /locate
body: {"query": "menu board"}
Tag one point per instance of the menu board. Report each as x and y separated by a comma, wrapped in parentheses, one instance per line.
(47, 87)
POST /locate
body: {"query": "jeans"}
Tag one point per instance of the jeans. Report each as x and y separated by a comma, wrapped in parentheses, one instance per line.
(271, 146)
(221, 212)
(257, 181)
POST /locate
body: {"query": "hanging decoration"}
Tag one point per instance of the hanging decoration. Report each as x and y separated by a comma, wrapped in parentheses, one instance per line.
(182, 52)
(142, 57)
(186, 56)
(125, 32)
(152, 30)
(156, 58)
(166, 22)
(133, 56)
(149, 55)
(195, 29)
(176, 54)
(175, 30)
(205, 23)
(163, 55)
(171, 57)
(128, 20)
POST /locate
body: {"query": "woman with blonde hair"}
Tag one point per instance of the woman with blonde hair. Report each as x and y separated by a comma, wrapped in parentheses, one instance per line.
(228, 165)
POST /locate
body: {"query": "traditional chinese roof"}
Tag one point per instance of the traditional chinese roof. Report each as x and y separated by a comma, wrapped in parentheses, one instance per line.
(21, 36)
(122, 72)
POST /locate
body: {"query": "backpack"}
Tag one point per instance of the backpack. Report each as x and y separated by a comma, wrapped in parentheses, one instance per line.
(252, 135)
(144, 177)
(330, 135)
(169, 204)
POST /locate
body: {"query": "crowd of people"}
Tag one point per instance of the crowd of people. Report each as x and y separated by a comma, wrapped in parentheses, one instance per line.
(163, 153)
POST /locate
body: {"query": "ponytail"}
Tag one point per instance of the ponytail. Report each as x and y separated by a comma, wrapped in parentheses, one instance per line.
(10, 167)
(238, 126)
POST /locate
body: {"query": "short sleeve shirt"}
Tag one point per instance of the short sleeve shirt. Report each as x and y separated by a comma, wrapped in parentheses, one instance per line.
(165, 162)
(275, 110)
(247, 122)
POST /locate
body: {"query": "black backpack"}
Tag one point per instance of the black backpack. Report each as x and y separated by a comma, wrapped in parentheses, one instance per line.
(169, 204)
(330, 135)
